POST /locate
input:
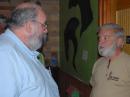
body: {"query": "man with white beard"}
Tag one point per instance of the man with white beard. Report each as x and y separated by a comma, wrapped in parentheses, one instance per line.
(111, 72)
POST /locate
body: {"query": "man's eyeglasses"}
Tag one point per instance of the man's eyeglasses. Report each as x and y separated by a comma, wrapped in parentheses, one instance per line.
(43, 25)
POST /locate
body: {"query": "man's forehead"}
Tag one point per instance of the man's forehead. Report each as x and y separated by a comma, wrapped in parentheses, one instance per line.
(106, 32)
(42, 16)
(27, 5)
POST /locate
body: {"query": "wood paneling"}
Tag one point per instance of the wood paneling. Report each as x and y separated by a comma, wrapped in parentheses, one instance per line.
(123, 4)
(107, 10)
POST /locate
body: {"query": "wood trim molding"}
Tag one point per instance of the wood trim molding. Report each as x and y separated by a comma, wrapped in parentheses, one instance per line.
(5, 10)
(123, 4)
(6, 7)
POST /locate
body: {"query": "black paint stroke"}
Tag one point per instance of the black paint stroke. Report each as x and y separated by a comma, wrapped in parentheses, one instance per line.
(73, 23)
(86, 12)
(69, 35)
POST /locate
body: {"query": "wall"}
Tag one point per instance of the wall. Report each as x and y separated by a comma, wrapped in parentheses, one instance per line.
(78, 47)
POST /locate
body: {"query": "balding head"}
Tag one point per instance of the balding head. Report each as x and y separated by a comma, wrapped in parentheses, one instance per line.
(23, 13)
(28, 5)
(28, 23)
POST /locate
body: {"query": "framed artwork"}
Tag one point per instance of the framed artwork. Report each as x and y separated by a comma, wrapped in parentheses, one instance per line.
(79, 24)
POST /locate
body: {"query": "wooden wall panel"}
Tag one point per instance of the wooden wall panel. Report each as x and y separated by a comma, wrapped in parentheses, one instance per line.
(123, 18)
(123, 4)
(107, 9)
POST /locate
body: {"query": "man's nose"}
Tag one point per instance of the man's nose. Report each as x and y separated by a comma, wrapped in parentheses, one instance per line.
(101, 41)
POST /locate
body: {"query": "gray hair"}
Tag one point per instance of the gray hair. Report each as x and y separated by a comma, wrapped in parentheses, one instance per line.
(20, 16)
(118, 30)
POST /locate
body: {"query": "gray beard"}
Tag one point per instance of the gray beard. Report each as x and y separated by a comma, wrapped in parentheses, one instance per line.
(36, 43)
(44, 39)
(107, 52)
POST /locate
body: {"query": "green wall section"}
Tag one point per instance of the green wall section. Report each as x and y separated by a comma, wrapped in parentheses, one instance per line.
(87, 44)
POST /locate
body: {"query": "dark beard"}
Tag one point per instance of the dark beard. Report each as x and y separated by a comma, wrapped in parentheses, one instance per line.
(44, 39)
(44, 42)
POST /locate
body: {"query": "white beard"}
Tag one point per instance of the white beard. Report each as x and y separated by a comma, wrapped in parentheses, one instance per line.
(35, 44)
(35, 41)
(107, 52)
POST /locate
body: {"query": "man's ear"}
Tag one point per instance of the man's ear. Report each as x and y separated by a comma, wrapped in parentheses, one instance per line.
(120, 42)
(28, 27)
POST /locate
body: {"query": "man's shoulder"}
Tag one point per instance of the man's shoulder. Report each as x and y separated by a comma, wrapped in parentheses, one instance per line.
(101, 59)
(125, 56)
